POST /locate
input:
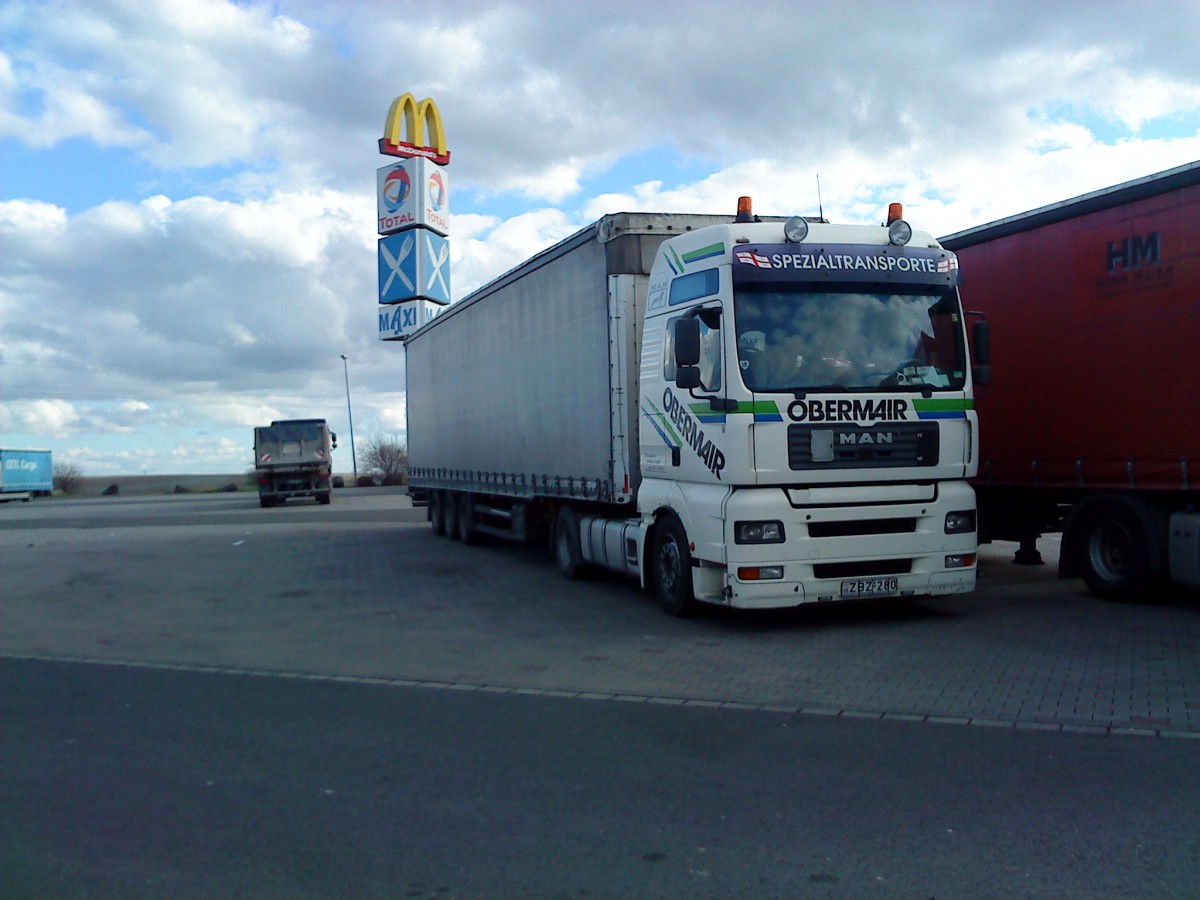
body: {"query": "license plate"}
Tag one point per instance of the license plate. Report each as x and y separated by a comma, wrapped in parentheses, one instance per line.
(871, 587)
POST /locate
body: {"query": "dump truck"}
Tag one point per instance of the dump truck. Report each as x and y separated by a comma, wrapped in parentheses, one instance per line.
(294, 458)
(25, 474)
(1089, 427)
(746, 411)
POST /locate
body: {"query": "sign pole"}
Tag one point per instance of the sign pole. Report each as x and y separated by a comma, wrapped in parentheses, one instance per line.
(350, 416)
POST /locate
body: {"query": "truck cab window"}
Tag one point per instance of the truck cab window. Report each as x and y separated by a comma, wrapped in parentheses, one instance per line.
(710, 350)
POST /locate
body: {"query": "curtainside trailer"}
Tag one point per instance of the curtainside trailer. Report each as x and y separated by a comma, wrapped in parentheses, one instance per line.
(1090, 425)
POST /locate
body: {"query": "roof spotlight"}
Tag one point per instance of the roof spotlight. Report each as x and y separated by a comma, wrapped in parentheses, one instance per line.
(795, 229)
(899, 233)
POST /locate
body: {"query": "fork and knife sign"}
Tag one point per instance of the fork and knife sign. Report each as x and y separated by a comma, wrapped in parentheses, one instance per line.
(437, 274)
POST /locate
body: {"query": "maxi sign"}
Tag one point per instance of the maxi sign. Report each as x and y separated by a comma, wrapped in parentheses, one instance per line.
(401, 319)
(413, 211)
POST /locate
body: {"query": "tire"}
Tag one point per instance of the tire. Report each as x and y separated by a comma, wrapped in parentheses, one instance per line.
(567, 557)
(466, 519)
(1114, 552)
(671, 568)
(450, 510)
(265, 502)
(437, 513)
(325, 498)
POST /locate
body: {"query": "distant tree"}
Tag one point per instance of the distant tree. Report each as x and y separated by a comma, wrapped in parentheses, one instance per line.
(68, 477)
(385, 456)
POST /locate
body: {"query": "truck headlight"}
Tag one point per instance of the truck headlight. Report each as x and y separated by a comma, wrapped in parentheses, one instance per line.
(770, 532)
(960, 522)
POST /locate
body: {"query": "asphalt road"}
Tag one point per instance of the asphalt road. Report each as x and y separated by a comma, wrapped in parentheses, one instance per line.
(200, 698)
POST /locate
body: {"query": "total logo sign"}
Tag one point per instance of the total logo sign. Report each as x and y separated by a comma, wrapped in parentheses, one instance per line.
(413, 192)
(396, 188)
(436, 200)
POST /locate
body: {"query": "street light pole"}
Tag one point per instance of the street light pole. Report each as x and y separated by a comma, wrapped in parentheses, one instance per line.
(350, 416)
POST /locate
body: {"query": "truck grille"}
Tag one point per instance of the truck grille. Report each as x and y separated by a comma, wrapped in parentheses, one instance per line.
(887, 445)
(863, 569)
(861, 527)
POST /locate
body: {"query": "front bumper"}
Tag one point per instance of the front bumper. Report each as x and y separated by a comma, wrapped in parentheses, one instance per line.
(901, 546)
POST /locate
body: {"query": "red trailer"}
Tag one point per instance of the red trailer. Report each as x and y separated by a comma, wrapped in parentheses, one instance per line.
(1091, 424)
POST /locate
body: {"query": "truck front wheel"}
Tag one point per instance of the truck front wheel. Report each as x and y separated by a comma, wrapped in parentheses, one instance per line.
(671, 567)
(567, 557)
(1114, 553)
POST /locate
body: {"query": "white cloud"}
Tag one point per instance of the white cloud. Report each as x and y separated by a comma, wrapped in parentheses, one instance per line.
(390, 413)
(227, 302)
(476, 260)
(56, 418)
(23, 216)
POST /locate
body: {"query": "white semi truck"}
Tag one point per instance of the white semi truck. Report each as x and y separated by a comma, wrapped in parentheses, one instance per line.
(735, 411)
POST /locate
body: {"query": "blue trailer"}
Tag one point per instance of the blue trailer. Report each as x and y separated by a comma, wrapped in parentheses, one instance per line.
(25, 474)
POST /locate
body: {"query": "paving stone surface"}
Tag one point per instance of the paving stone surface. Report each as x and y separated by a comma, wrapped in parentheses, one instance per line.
(364, 590)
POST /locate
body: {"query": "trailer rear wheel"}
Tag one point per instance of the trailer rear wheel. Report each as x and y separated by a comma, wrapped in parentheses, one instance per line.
(466, 519)
(567, 556)
(671, 567)
(437, 512)
(450, 507)
(1114, 552)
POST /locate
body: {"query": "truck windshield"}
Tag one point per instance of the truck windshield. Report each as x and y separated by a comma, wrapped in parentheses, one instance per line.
(292, 432)
(857, 337)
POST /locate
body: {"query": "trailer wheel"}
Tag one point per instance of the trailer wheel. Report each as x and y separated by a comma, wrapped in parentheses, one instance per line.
(450, 510)
(567, 556)
(1114, 552)
(265, 502)
(325, 497)
(671, 567)
(437, 512)
(466, 519)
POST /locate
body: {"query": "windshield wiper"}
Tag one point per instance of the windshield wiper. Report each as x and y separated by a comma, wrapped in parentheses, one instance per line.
(800, 393)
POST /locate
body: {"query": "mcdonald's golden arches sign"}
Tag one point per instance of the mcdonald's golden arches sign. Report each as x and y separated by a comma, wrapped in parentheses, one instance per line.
(402, 130)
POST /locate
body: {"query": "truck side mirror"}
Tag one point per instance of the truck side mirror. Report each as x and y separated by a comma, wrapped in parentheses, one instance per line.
(687, 341)
(687, 352)
(333, 439)
(981, 342)
(981, 350)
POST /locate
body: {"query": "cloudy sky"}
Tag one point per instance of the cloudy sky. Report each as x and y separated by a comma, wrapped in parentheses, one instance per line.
(187, 209)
